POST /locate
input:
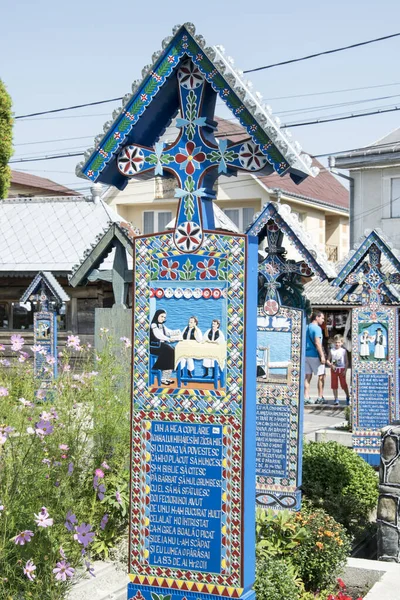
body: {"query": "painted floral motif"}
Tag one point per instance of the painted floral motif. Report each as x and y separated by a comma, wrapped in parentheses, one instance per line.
(207, 268)
(168, 269)
(189, 76)
(189, 158)
(130, 160)
(271, 307)
(188, 236)
(251, 157)
(222, 155)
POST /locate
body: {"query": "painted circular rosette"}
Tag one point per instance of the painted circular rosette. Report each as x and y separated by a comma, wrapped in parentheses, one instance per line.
(187, 293)
(159, 293)
(168, 293)
(188, 236)
(216, 294)
(130, 160)
(197, 293)
(178, 293)
(207, 293)
(271, 307)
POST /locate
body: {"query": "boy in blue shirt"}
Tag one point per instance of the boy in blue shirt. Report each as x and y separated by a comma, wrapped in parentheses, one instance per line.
(315, 357)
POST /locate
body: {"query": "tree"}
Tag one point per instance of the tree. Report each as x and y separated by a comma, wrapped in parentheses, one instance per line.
(6, 150)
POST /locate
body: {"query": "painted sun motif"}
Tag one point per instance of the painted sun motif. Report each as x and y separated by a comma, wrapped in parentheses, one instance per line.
(130, 160)
(188, 236)
(251, 157)
(189, 76)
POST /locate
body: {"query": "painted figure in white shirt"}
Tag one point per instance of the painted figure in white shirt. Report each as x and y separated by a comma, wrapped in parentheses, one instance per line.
(193, 333)
(215, 336)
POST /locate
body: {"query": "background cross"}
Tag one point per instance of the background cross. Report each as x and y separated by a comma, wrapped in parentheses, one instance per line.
(276, 271)
(373, 281)
(195, 159)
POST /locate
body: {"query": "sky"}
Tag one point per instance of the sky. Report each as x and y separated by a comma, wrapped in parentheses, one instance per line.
(57, 54)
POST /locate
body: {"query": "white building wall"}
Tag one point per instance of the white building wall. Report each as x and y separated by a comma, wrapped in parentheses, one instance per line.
(372, 202)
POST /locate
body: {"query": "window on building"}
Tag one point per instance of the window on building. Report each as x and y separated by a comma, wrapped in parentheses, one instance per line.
(395, 198)
(4, 315)
(156, 220)
(241, 217)
(22, 317)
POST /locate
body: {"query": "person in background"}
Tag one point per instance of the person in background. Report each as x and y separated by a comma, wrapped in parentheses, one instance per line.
(338, 362)
(315, 357)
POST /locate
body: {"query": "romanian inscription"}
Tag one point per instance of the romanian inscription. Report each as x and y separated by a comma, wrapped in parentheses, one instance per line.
(185, 530)
(373, 400)
(272, 440)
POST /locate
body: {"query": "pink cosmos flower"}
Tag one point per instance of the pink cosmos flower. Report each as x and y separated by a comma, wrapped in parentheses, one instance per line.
(50, 360)
(17, 342)
(105, 465)
(118, 497)
(37, 348)
(70, 520)
(99, 473)
(66, 368)
(64, 447)
(4, 391)
(26, 403)
(2, 347)
(44, 427)
(43, 519)
(84, 535)
(29, 570)
(63, 570)
(22, 538)
(5, 430)
(126, 341)
(73, 341)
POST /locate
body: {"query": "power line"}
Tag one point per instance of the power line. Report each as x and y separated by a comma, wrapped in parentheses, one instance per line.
(368, 87)
(343, 118)
(341, 49)
(293, 60)
(55, 110)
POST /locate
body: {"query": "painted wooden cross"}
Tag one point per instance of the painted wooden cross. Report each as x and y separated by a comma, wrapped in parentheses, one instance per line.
(375, 284)
(274, 267)
(195, 159)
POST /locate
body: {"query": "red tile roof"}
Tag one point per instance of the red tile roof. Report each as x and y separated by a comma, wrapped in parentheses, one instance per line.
(323, 188)
(20, 178)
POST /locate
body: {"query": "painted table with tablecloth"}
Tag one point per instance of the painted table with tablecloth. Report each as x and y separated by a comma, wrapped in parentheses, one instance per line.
(200, 351)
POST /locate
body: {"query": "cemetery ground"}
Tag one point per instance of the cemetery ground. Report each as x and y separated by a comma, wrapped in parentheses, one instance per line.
(64, 477)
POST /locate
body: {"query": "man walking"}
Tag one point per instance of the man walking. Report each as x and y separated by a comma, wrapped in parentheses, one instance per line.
(315, 357)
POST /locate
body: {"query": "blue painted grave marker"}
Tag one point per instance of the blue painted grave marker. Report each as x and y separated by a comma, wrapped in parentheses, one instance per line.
(280, 354)
(374, 341)
(194, 289)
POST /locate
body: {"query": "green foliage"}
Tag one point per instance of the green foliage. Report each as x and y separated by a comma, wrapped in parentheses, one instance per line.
(86, 445)
(322, 555)
(311, 543)
(187, 273)
(6, 151)
(276, 580)
(277, 534)
(340, 481)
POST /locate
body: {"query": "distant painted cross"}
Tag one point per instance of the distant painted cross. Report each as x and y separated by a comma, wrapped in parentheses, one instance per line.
(195, 158)
(373, 281)
(275, 266)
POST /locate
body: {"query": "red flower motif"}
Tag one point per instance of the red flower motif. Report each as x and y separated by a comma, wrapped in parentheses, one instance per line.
(143, 97)
(168, 269)
(190, 158)
(207, 269)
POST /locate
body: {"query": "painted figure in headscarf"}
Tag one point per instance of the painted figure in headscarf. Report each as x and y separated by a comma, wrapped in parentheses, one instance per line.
(159, 336)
